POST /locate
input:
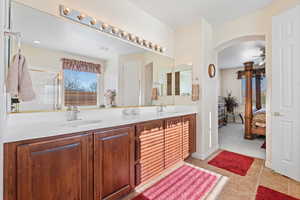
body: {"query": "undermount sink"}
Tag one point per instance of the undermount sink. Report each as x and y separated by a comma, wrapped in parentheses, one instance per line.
(167, 112)
(81, 123)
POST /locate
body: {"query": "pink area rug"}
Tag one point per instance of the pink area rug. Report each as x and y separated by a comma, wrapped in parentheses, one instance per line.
(185, 183)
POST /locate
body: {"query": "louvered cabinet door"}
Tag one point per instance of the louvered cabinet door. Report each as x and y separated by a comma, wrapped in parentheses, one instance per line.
(173, 141)
(149, 150)
(56, 169)
(188, 135)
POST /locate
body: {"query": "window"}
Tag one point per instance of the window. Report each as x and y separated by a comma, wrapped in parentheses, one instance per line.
(263, 91)
(80, 88)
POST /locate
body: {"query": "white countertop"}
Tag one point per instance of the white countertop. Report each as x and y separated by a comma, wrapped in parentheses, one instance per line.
(26, 126)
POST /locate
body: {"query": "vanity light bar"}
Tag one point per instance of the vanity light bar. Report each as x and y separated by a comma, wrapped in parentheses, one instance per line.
(92, 22)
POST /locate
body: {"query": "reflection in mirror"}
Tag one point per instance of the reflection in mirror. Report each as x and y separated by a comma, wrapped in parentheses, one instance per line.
(140, 74)
(71, 64)
(165, 81)
(177, 83)
(169, 84)
(183, 80)
(46, 86)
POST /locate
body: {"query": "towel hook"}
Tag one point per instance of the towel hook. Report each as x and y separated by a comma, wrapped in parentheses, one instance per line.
(17, 35)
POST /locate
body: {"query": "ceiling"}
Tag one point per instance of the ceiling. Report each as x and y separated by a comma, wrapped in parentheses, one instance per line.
(234, 56)
(179, 12)
(55, 33)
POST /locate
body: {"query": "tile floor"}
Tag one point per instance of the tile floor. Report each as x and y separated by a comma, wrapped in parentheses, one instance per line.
(244, 187)
(231, 138)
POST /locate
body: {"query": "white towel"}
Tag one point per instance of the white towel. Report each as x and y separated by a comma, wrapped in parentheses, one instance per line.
(18, 79)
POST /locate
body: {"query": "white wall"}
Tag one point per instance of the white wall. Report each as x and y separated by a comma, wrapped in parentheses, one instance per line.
(188, 46)
(2, 67)
(187, 52)
(111, 74)
(50, 60)
(229, 82)
(122, 14)
(194, 45)
(3, 25)
(257, 23)
(159, 63)
(209, 105)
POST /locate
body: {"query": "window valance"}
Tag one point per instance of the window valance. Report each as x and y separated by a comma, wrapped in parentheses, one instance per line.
(82, 66)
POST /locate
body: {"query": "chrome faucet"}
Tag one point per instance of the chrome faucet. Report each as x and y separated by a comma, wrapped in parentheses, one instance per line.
(161, 108)
(72, 113)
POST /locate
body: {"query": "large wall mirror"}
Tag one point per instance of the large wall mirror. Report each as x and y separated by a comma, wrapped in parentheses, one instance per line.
(72, 64)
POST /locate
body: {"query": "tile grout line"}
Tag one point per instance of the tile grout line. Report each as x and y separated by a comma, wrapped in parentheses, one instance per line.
(259, 178)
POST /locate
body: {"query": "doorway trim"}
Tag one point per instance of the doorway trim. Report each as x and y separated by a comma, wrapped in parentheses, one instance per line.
(225, 44)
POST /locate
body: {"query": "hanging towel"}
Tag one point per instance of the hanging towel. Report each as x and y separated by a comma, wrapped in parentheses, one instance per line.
(195, 92)
(18, 79)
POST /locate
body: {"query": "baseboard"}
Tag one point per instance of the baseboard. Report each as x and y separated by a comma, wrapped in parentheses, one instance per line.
(197, 156)
(205, 155)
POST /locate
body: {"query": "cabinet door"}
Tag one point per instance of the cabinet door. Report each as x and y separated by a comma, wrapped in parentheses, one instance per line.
(188, 135)
(149, 150)
(113, 163)
(173, 141)
(57, 169)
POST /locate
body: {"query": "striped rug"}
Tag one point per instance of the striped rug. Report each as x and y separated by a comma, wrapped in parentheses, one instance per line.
(185, 183)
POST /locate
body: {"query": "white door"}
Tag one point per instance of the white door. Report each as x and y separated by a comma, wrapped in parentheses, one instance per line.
(131, 83)
(285, 126)
(148, 75)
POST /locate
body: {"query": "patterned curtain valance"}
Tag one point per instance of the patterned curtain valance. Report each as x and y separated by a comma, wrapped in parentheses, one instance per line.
(82, 66)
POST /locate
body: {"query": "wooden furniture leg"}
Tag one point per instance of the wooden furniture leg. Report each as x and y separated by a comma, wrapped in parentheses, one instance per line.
(258, 91)
(242, 119)
(248, 105)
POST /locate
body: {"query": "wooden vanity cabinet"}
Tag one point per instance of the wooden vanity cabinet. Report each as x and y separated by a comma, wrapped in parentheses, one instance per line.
(54, 169)
(113, 163)
(188, 135)
(102, 165)
(160, 144)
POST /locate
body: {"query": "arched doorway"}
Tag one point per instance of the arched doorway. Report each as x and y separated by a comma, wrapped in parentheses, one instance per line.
(232, 93)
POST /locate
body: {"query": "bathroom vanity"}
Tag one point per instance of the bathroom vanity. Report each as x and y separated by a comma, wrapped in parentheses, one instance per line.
(112, 82)
(105, 163)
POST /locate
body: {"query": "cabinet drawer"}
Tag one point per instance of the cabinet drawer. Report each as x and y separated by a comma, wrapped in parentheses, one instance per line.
(149, 127)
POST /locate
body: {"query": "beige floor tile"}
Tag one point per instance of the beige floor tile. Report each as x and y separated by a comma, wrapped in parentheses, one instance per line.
(245, 187)
(294, 188)
(229, 195)
(274, 181)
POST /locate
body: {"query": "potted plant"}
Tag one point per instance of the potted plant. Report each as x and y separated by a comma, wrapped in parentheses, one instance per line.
(231, 103)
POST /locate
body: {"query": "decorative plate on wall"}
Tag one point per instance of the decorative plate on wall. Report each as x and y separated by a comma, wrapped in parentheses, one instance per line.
(211, 70)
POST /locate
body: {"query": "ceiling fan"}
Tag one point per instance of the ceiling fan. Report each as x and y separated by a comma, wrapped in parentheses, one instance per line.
(261, 57)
